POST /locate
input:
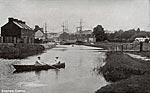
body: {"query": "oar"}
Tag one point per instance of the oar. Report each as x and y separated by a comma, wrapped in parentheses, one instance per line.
(54, 67)
(51, 66)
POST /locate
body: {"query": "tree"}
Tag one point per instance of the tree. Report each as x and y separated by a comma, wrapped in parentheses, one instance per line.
(129, 33)
(99, 33)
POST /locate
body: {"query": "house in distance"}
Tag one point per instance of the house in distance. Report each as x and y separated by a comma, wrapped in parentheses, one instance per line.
(39, 34)
(16, 31)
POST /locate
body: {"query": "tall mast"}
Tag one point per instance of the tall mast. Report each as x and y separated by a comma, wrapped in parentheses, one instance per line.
(46, 32)
(80, 26)
(149, 13)
(63, 26)
(79, 29)
(66, 26)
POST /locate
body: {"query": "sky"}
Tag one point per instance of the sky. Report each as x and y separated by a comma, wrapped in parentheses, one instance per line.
(111, 14)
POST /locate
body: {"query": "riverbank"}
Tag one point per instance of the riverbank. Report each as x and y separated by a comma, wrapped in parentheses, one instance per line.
(19, 51)
(127, 74)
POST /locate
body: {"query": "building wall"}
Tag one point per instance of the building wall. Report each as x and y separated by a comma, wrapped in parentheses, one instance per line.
(27, 36)
(10, 29)
(39, 35)
(11, 33)
(6, 39)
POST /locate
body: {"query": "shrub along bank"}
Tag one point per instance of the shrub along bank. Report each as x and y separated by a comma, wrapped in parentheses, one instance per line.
(19, 51)
(128, 75)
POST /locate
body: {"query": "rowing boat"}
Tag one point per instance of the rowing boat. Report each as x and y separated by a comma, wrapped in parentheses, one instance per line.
(22, 68)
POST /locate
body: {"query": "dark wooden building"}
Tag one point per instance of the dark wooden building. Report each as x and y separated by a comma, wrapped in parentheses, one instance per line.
(16, 31)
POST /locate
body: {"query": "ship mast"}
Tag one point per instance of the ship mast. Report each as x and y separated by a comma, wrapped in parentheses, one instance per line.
(80, 28)
(46, 39)
(149, 13)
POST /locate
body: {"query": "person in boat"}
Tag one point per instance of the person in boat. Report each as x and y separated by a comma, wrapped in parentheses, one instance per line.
(57, 60)
(38, 62)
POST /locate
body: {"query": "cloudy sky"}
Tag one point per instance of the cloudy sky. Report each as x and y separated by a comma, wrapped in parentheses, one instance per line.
(112, 14)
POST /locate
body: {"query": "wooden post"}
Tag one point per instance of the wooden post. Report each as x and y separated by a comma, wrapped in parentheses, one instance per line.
(132, 45)
(126, 46)
(141, 46)
(121, 47)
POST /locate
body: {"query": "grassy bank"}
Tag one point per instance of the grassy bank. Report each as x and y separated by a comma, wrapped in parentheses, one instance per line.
(128, 74)
(19, 51)
(135, 84)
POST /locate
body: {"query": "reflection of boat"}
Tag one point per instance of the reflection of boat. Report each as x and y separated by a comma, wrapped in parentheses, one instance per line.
(23, 68)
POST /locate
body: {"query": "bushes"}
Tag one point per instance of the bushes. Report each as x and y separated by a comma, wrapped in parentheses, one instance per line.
(19, 51)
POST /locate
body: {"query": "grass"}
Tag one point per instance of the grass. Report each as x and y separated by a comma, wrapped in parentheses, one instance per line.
(128, 74)
(135, 84)
(124, 65)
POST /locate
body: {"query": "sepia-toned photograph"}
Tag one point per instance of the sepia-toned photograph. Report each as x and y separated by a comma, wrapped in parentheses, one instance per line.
(74, 46)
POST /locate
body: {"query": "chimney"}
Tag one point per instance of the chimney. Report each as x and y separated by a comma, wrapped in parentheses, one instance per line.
(10, 19)
(42, 29)
(36, 28)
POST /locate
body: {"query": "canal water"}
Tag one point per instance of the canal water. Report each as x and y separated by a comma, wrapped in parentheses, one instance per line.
(77, 77)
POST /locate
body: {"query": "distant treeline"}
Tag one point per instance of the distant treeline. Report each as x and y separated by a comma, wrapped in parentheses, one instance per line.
(118, 36)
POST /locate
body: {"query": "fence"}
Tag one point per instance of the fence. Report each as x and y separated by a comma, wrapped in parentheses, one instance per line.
(125, 47)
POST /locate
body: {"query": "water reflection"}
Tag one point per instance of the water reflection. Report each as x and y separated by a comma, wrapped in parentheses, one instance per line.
(37, 73)
(57, 73)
